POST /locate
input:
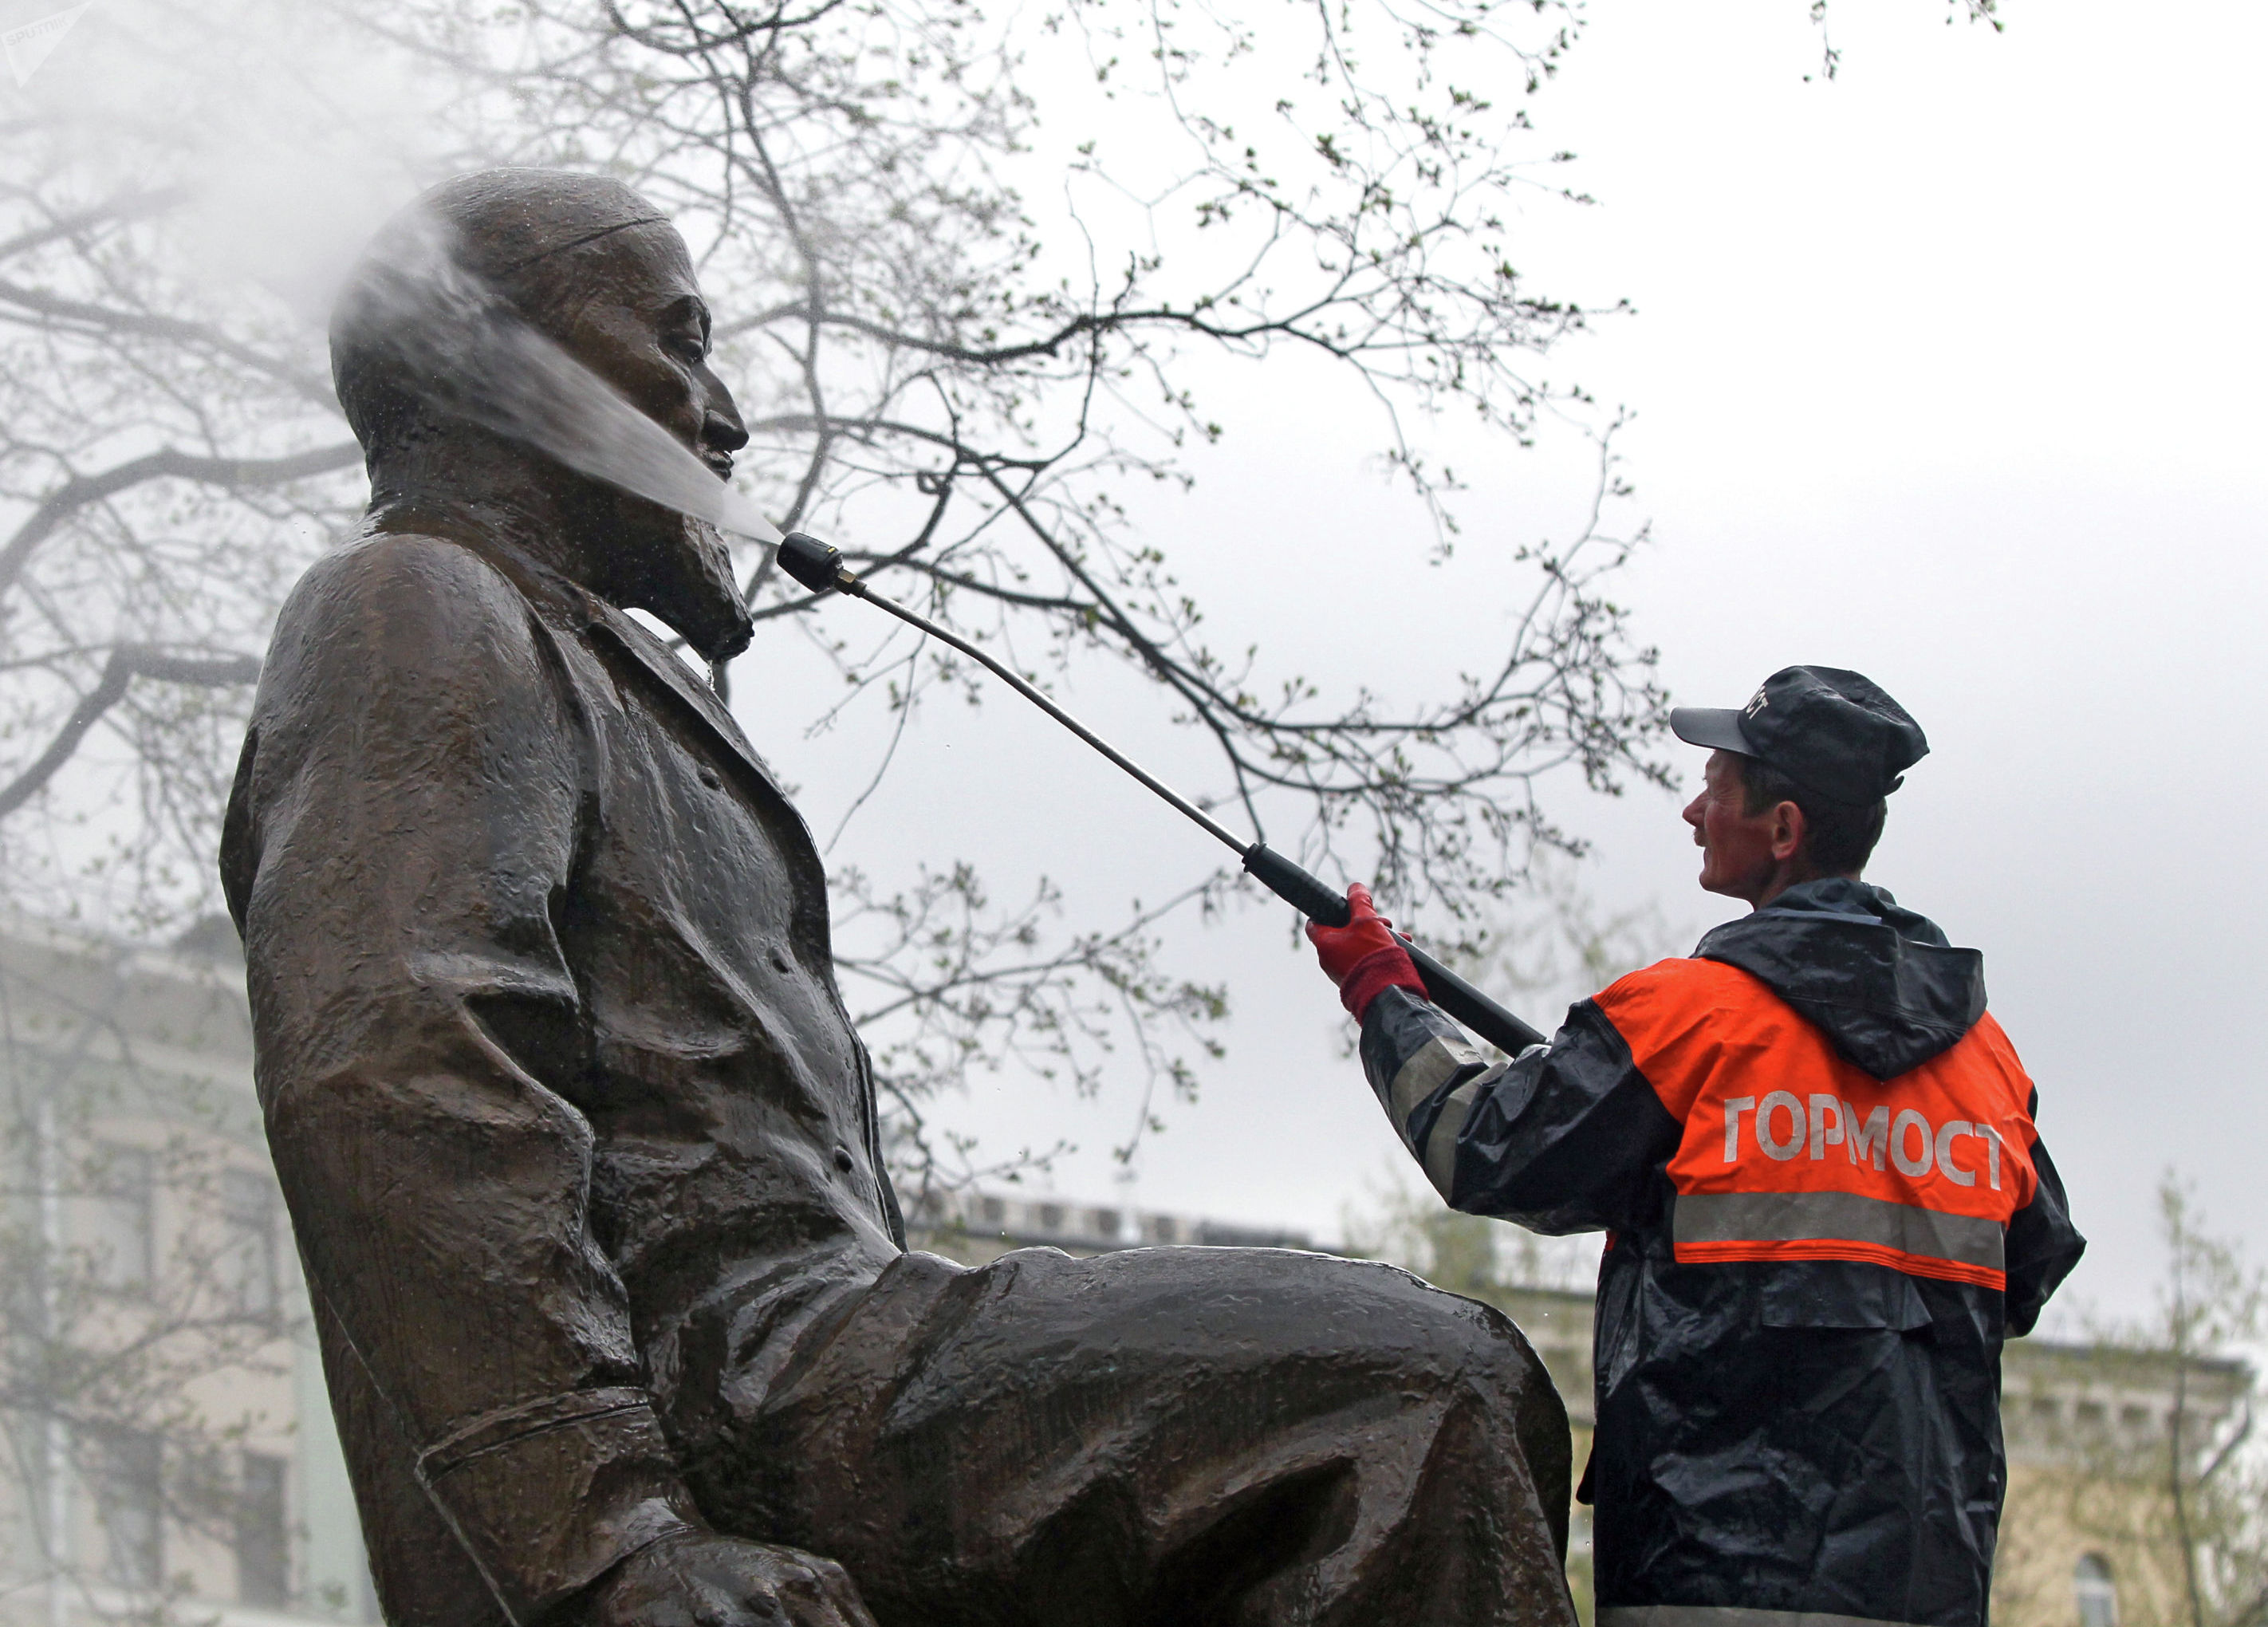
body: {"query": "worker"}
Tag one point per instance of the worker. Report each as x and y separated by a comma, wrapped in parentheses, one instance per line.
(1813, 1152)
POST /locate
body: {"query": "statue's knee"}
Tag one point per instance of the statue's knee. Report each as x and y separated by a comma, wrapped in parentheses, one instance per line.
(1497, 1353)
(1464, 1337)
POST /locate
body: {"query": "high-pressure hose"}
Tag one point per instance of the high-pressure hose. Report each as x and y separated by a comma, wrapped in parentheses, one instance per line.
(819, 567)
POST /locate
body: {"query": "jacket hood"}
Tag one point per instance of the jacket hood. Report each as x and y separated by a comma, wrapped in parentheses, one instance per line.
(1882, 982)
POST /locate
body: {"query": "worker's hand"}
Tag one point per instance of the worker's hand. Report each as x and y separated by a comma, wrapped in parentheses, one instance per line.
(1363, 957)
(698, 1578)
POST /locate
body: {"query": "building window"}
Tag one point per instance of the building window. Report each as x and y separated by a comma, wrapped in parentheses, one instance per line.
(1106, 1223)
(129, 1505)
(2097, 1594)
(1051, 1218)
(263, 1541)
(121, 1231)
(994, 1210)
(248, 1264)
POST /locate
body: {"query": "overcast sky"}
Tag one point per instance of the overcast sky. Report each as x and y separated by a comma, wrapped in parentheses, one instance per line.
(1947, 371)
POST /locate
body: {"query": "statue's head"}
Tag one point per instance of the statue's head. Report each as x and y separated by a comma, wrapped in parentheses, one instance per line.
(591, 265)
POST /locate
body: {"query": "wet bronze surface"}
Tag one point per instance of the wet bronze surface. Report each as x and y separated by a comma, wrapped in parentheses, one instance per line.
(581, 1150)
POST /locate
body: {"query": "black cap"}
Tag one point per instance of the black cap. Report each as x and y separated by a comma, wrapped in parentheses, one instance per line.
(1831, 732)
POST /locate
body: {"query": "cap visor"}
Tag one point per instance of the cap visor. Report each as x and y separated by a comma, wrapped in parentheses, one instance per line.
(1717, 727)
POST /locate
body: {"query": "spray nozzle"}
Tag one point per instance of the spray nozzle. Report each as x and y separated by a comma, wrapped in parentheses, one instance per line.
(817, 565)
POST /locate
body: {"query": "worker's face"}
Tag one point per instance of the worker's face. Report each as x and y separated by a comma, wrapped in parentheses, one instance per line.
(1744, 855)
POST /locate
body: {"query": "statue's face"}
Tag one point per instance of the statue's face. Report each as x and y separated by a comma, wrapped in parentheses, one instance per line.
(642, 326)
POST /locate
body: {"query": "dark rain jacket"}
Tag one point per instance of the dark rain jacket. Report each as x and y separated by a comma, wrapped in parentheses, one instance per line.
(1813, 1151)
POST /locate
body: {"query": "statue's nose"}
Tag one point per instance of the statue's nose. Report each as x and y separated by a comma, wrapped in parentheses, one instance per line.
(723, 430)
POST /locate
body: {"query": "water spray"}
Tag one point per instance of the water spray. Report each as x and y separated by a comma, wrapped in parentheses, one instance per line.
(820, 567)
(464, 348)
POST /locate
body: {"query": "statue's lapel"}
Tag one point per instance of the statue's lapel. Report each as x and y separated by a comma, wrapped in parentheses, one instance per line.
(574, 603)
(610, 626)
(656, 658)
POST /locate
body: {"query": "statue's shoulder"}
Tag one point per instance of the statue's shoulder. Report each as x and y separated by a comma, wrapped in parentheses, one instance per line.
(411, 583)
(396, 600)
(406, 566)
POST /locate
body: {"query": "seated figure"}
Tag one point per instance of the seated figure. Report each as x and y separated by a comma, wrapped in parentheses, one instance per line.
(580, 1146)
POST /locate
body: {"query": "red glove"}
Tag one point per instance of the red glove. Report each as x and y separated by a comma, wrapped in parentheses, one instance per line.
(1362, 957)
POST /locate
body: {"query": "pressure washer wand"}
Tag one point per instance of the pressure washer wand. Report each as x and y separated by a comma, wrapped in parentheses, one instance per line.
(820, 567)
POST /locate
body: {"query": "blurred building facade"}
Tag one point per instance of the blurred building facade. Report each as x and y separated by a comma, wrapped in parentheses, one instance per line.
(169, 1445)
(206, 1483)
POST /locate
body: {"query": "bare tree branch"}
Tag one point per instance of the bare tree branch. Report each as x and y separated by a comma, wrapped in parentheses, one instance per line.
(237, 474)
(958, 383)
(127, 663)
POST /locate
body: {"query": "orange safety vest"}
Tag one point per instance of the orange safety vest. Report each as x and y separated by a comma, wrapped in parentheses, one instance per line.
(1786, 1151)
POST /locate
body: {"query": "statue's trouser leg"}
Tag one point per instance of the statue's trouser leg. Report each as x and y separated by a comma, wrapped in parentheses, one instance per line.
(1167, 1435)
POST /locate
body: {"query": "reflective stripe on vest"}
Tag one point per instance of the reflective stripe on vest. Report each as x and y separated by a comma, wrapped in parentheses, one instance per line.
(1788, 1152)
(1839, 1226)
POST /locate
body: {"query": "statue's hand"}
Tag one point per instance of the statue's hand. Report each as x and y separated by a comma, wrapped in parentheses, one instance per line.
(698, 1578)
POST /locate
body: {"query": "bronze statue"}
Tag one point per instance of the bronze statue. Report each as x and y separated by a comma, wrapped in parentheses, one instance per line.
(580, 1146)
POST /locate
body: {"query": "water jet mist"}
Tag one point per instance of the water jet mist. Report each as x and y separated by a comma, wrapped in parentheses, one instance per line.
(466, 352)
